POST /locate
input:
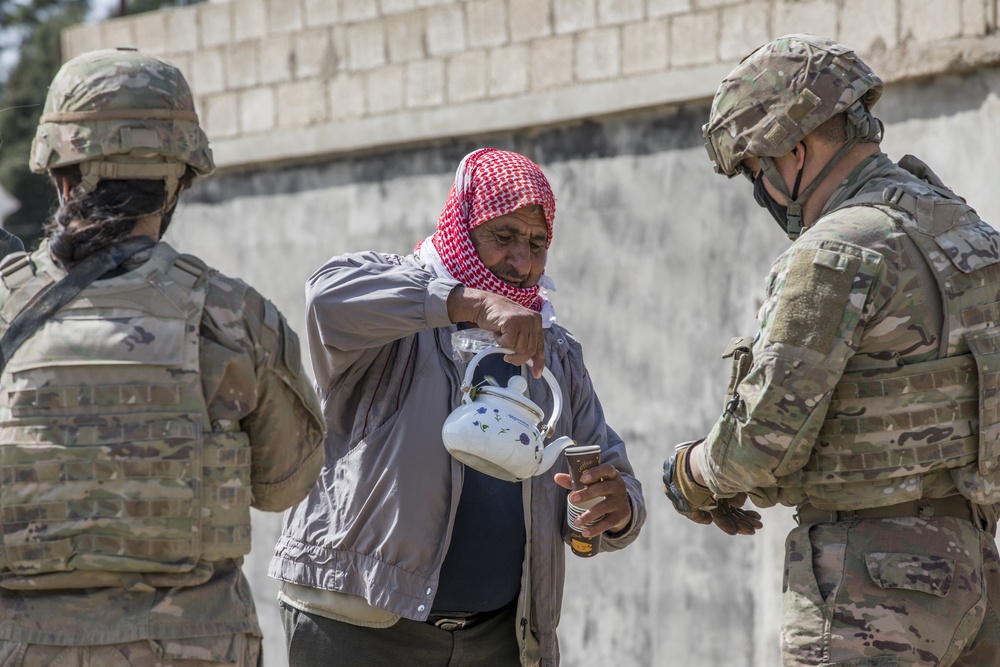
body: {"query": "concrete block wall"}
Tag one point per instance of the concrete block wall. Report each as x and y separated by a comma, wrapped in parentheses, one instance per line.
(284, 80)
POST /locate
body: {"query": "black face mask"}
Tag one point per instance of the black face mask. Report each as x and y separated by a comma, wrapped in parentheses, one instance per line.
(765, 200)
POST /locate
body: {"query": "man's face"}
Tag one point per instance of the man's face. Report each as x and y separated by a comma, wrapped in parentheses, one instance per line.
(513, 246)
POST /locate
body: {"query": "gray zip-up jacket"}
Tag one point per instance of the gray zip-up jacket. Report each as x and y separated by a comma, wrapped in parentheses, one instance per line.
(378, 523)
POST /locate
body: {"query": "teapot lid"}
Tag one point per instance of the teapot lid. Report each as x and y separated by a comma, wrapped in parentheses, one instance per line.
(515, 392)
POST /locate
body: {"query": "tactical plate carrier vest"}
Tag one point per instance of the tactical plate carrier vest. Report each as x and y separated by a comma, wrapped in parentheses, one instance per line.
(887, 428)
(108, 460)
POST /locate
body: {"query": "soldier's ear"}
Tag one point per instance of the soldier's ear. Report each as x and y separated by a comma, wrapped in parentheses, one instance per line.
(799, 153)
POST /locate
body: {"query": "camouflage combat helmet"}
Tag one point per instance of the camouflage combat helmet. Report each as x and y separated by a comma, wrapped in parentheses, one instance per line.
(121, 114)
(782, 92)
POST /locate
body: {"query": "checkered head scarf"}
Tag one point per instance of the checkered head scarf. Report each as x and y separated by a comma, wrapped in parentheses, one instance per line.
(488, 183)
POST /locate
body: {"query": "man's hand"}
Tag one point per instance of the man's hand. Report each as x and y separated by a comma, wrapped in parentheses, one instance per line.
(514, 326)
(614, 511)
(695, 501)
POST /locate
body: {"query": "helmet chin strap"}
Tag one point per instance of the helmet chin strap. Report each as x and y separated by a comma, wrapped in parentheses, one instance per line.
(861, 126)
(797, 200)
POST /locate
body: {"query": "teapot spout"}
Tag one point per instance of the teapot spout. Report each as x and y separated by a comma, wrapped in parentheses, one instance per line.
(552, 451)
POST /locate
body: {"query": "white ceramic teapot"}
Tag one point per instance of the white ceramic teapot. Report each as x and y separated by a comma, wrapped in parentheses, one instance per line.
(496, 429)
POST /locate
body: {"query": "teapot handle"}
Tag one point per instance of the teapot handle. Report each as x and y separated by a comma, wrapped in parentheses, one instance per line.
(547, 375)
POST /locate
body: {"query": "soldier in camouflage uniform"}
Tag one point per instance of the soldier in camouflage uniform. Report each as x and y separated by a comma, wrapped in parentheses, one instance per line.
(140, 422)
(869, 398)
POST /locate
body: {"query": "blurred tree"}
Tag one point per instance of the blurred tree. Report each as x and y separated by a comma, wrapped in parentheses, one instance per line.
(37, 24)
(30, 55)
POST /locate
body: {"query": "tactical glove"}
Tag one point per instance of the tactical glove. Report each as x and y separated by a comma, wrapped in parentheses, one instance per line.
(730, 517)
(696, 502)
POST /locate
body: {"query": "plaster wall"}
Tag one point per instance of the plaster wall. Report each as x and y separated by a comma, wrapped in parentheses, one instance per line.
(658, 262)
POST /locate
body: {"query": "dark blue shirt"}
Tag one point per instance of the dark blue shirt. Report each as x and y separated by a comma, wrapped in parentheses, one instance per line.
(482, 569)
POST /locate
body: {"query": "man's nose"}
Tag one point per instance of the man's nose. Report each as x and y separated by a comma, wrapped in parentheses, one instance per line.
(520, 256)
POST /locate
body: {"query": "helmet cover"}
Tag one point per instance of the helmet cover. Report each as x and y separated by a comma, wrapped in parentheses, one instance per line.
(783, 91)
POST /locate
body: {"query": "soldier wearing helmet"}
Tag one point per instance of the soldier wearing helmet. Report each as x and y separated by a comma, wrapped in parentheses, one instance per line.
(868, 399)
(148, 402)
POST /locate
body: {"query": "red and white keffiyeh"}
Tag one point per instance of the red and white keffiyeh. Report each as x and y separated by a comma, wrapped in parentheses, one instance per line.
(488, 183)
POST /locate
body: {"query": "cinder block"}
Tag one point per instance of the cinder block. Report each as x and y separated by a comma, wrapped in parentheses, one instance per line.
(645, 47)
(573, 15)
(598, 54)
(445, 30)
(551, 62)
(221, 116)
(318, 13)
(301, 103)
(487, 23)
(467, 76)
(182, 29)
(813, 16)
(613, 12)
(436, 3)
(530, 19)
(277, 58)
(976, 17)
(714, 4)
(508, 70)
(658, 8)
(241, 65)
(743, 29)
(312, 53)
(216, 23)
(249, 20)
(928, 20)
(257, 110)
(365, 45)
(119, 32)
(694, 39)
(207, 75)
(388, 7)
(284, 15)
(81, 38)
(151, 32)
(347, 96)
(359, 10)
(182, 61)
(878, 31)
(338, 50)
(424, 84)
(405, 36)
(384, 87)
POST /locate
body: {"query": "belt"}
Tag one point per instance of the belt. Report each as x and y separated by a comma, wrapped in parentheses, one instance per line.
(953, 506)
(454, 620)
(457, 620)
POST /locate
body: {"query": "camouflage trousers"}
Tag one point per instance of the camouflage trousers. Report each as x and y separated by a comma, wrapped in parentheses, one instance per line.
(891, 593)
(232, 651)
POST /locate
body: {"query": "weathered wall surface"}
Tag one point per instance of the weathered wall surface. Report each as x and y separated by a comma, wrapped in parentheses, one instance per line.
(287, 80)
(338, 125)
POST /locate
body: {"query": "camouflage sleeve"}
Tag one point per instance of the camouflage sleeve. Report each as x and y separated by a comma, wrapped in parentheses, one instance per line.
(256, 375)
(821, 294)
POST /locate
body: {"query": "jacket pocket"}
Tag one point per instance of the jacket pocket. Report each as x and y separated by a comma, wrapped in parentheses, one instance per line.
(924, 574)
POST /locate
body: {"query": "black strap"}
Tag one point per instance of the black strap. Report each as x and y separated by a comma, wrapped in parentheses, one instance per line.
(58, 294)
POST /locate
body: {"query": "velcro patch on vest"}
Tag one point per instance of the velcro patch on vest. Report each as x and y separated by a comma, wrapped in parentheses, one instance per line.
(813, 299)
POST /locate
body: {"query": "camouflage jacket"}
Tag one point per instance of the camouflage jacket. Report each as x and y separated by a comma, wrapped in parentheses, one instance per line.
(813, 330)
(251, 373)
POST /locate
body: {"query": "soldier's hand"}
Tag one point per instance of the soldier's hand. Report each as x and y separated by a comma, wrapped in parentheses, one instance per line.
(730, 517)
(696, 502)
